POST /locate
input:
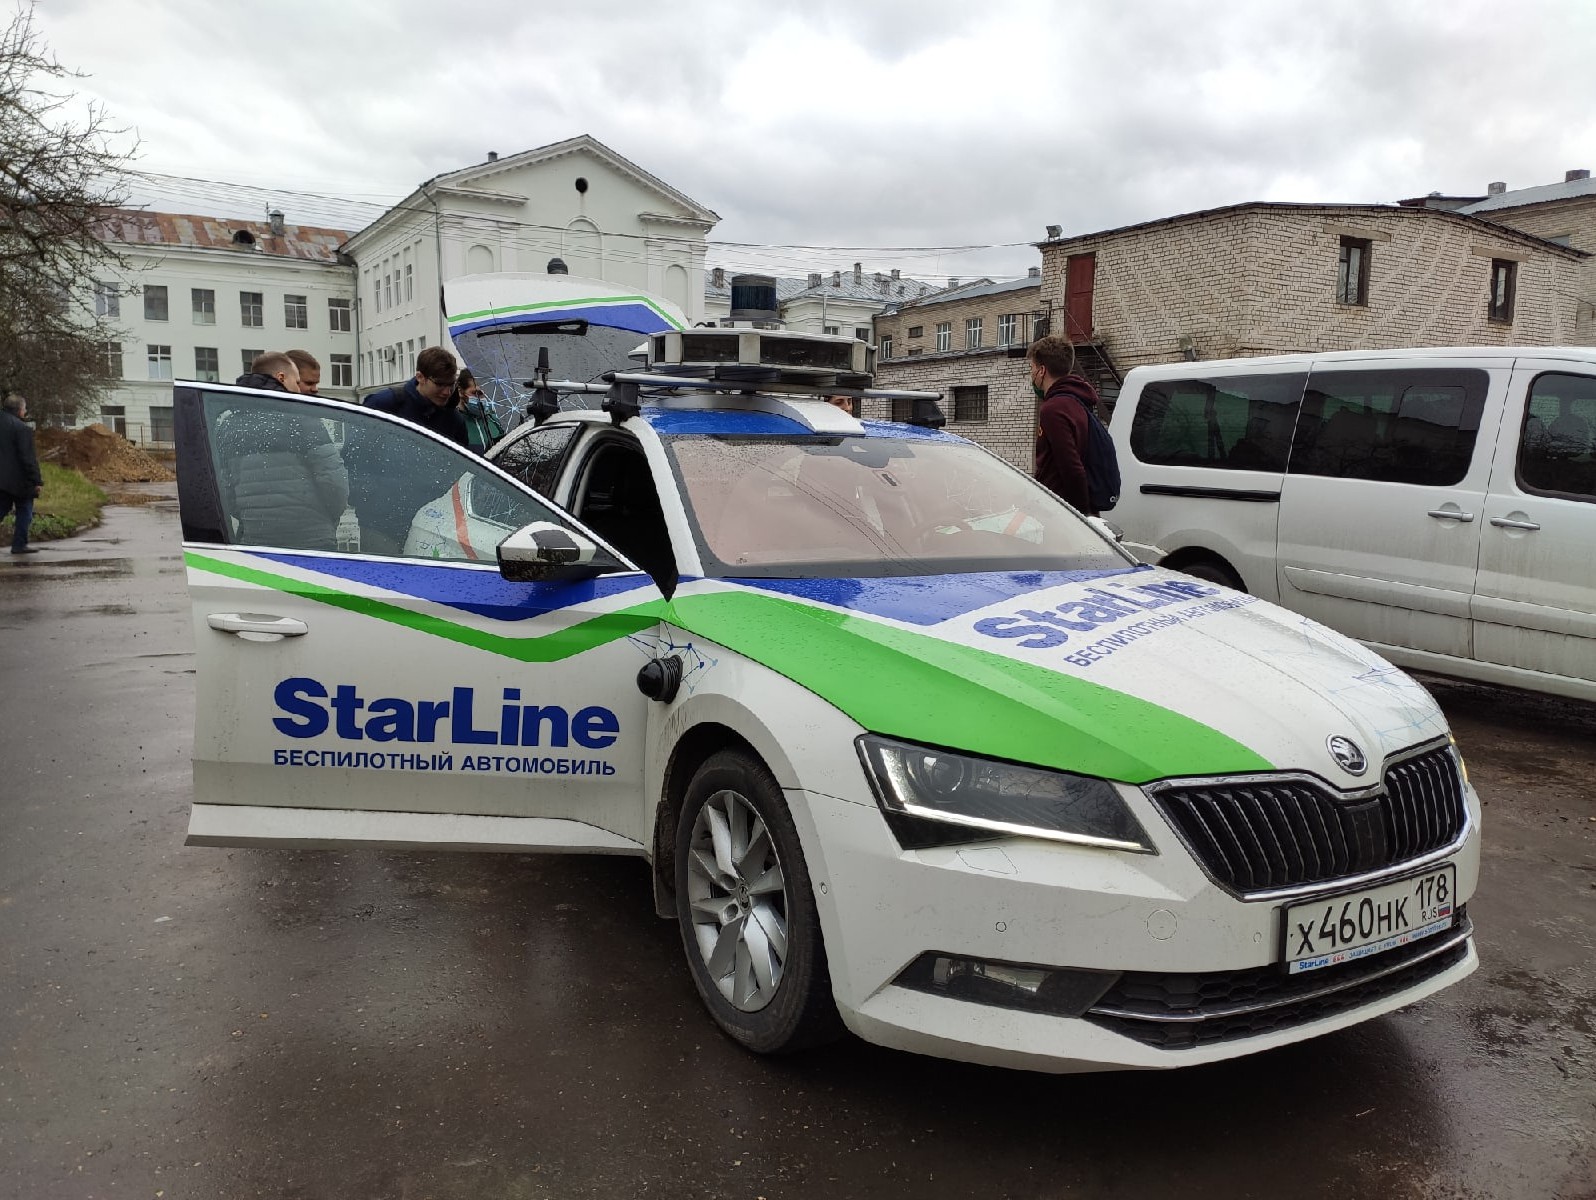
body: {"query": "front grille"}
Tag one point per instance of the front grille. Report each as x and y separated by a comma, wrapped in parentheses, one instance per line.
(1257, 835)
(1179, 1012)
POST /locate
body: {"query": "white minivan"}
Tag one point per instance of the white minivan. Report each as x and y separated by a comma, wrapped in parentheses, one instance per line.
(1439, 505)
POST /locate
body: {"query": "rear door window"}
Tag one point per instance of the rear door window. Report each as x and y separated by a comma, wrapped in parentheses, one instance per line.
(1407, 426)
(1557, 449)
(1236, 423)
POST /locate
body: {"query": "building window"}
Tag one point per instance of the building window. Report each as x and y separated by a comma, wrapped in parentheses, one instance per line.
(207, 368)
(338, 316)
(114, 418)
(410, 356)
(886, 347)
(410, 282)
(916, 331)
(1352, 271)
(296, 313)
(161, 423)
(387, 291)
(249, 357)
(833, 329)
(861, 333)
(376, 293)
(972, 333)
(155, 303)
(944, 336)
(160, 362)
(113, 359)
(1008, 329)
(343, 370)
(107, 300)
(251, 309)
(1504, 288)
(969, 403)
(204, 306)
(913, 350)
(1039, 326)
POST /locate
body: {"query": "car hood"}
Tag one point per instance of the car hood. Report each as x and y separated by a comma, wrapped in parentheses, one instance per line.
(1134, 675)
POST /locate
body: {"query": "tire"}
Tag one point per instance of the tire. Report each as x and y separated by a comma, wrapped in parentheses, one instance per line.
(747, 912)
(1211, 570)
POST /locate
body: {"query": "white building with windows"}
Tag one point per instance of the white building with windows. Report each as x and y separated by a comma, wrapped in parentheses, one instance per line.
(844, 302)
(201, 296)
(576, 201)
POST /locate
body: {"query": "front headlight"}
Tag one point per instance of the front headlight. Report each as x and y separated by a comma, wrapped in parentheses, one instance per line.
(937, 797)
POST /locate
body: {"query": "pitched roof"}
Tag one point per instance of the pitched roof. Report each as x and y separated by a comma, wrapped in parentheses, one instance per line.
(139, 227)
(1483, 224)
(1569, 189)
(977, 289)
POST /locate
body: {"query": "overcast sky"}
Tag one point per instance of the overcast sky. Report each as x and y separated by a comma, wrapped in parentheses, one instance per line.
(873, 124)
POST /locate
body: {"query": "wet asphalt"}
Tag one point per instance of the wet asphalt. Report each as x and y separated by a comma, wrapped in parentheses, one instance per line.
(236, 1023)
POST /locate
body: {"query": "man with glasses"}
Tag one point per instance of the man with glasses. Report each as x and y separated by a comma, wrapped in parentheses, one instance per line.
(388, 478)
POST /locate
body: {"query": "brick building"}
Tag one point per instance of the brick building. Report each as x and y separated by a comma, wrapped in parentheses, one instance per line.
(1564, 213)
(1264, 278)
(967, 342)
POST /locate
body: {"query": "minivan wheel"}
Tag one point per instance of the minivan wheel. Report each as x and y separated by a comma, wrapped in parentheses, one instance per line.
(747, 912)
(1213, 571)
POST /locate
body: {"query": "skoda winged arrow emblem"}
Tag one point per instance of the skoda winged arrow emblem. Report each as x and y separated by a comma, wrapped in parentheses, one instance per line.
(1347, 754)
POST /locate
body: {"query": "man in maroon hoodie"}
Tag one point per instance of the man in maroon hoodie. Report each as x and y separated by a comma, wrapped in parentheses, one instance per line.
(1061, 437)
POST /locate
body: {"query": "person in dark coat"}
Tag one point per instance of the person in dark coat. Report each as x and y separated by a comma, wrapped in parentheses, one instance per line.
(20, 478)
(1062, 442)
(389, 482)
(283, 477)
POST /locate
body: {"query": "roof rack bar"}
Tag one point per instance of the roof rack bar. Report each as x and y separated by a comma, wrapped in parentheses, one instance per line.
(643, 379)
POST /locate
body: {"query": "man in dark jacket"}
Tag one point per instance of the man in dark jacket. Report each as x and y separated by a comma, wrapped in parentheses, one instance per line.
(20, 479)
(282, 475)
(1062, 442)
(389, 481)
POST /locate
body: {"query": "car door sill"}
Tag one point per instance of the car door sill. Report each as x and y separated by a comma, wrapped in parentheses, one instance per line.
(323, 828)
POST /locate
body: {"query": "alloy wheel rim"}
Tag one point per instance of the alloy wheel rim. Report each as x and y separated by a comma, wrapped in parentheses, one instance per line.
(737, 893)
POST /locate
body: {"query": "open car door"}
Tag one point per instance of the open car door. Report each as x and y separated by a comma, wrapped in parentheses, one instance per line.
(365, 672)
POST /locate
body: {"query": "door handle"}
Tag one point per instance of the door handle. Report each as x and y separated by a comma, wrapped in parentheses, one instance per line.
(257, 623)
(1451, 514)
(1509, 523)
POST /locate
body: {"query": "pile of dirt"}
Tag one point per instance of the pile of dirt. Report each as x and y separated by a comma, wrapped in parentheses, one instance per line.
(102, 454)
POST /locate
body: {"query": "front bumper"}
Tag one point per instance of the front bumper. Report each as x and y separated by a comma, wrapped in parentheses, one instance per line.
(1156, 919)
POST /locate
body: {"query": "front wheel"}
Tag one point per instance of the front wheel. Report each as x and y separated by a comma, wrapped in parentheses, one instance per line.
(1213, 571)
(747, 911)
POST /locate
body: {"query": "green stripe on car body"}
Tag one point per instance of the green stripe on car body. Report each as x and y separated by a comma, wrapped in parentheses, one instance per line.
(549, 647)
(926, 689)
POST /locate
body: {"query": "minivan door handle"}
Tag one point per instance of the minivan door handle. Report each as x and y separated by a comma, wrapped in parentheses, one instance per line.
(265, 627)
(1452, 514)
(1509, 523)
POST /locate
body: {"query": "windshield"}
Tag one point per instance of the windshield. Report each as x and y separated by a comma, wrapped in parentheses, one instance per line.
(785, 508)
(504, 361)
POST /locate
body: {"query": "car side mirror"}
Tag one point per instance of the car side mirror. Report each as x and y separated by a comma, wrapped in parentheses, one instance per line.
(544, 552)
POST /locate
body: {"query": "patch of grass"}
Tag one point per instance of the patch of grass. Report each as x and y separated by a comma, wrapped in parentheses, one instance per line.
(68, 504)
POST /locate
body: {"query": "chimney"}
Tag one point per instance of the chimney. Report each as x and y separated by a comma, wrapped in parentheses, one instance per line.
(858, 272)
(1034, 273)
(493, 156)
(276, 219)
(894, 273)
(953, 282)
(1577, 173)
(717, 278)
(1495, 189)
(814, 279)
(881, 283)
(836, 279)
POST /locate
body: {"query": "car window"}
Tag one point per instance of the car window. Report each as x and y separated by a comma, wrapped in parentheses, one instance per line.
(1237, 423)
(537, 457)
(1557, 447)
(827, 506)
(1408, 426)
(314, 477)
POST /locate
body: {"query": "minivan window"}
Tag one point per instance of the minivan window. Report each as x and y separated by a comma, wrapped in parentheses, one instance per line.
(1408, 426)
(1237, 423)
(1557, 451)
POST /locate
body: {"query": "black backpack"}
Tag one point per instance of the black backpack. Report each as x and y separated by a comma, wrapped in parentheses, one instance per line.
(1102, 463)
